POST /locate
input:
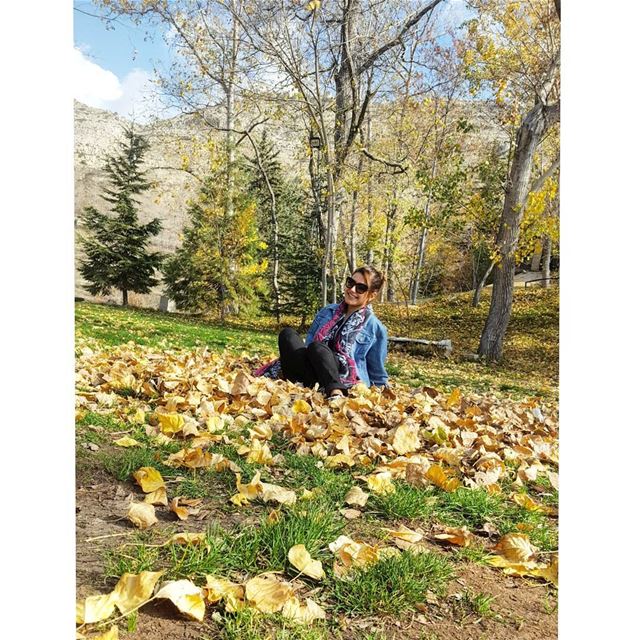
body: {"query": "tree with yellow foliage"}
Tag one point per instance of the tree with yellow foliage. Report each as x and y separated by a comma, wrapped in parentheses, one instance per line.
(514, 52)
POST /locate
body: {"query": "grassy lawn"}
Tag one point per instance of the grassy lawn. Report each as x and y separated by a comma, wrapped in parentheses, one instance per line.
(318, 454)
(529, 367)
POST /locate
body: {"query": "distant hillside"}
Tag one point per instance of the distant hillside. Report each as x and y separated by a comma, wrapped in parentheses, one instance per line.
(97, 133)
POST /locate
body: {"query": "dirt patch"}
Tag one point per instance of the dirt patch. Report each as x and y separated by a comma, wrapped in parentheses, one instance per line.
(522, 609)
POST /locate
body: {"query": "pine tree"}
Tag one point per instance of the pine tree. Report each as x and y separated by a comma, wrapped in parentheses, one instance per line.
(299, 259)
(116, 251)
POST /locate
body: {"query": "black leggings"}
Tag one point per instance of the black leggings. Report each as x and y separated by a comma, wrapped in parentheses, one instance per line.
(315, 363)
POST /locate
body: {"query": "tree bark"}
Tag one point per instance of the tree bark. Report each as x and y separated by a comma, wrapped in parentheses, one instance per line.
(480, 285)
(388, 288)
(546, 261)
(533, 127)
(125, 298)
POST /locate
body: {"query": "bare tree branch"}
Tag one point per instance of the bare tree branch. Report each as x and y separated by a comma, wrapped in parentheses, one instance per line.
(389, 163)
(397, 39)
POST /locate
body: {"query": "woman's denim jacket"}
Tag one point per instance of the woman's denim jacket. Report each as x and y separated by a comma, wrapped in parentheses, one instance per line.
(370, 350)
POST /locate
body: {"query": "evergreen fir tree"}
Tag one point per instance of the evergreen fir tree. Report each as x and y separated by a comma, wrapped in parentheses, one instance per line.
(116, 251)
(299, 260)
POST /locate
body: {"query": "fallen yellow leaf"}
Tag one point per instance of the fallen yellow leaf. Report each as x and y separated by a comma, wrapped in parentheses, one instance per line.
(181, 512)
(381, 483)
(142, 514)
(303, 613)
(406, 439)
(188, 538)
(548, 573)
(266, 593)
(95, 609)
(274, 493)
(159, 496)
(454, 398)
(530, 504)
(186, 596)
(126, 441)
(170, 422)
(404, 533)
(112, 634)
(437, 476)
(218, 589)
(301, 559)
(459, 536)
(301, 406)
(339, 460)
(251, 490)
(138, 417)
(195, 458)
(239, 499)
(352, 553)
(357, 496)
(133, 590)
(149, 479)
(259, 452)
(515, 547)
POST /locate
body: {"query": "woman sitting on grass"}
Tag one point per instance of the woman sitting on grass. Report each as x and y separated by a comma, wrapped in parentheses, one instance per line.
(346, 343)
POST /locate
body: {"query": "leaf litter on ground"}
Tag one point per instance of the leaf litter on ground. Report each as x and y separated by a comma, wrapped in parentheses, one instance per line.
(417, 436)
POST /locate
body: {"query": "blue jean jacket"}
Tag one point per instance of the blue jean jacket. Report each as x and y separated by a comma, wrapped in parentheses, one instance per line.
(370, 349)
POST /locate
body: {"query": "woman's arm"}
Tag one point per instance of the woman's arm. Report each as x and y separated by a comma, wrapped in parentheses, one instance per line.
(315, 325)
(376, 357)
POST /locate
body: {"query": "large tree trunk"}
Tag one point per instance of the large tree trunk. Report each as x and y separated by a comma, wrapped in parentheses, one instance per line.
(533, 127)
(125, 298)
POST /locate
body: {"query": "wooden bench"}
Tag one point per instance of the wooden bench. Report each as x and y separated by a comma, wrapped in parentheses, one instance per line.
(443, 346)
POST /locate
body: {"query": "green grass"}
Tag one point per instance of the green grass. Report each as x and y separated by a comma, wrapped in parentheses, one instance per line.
(474, 507)
(307, 522)
(549, 495)
(473, 553)
(121, 465)
(198, 560)
(136, 556)
(470, 507)
(393, 585)
(407, 502)
(111, 325)
(331, 485)
(251, 625)
(104, 425)
(478, 603)
(242, 550)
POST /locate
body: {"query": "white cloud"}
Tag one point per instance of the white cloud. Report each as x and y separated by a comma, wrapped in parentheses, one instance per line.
(93, 85)
(139, 100)
(454, 13)
(133, 97)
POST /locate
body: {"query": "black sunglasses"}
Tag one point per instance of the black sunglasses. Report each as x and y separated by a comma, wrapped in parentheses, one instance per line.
(360, 287)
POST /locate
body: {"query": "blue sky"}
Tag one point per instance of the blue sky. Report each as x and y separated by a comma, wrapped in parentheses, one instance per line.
(113, 68)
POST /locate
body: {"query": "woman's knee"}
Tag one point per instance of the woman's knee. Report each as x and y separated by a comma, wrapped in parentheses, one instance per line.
(316, 346)
(286, 335)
